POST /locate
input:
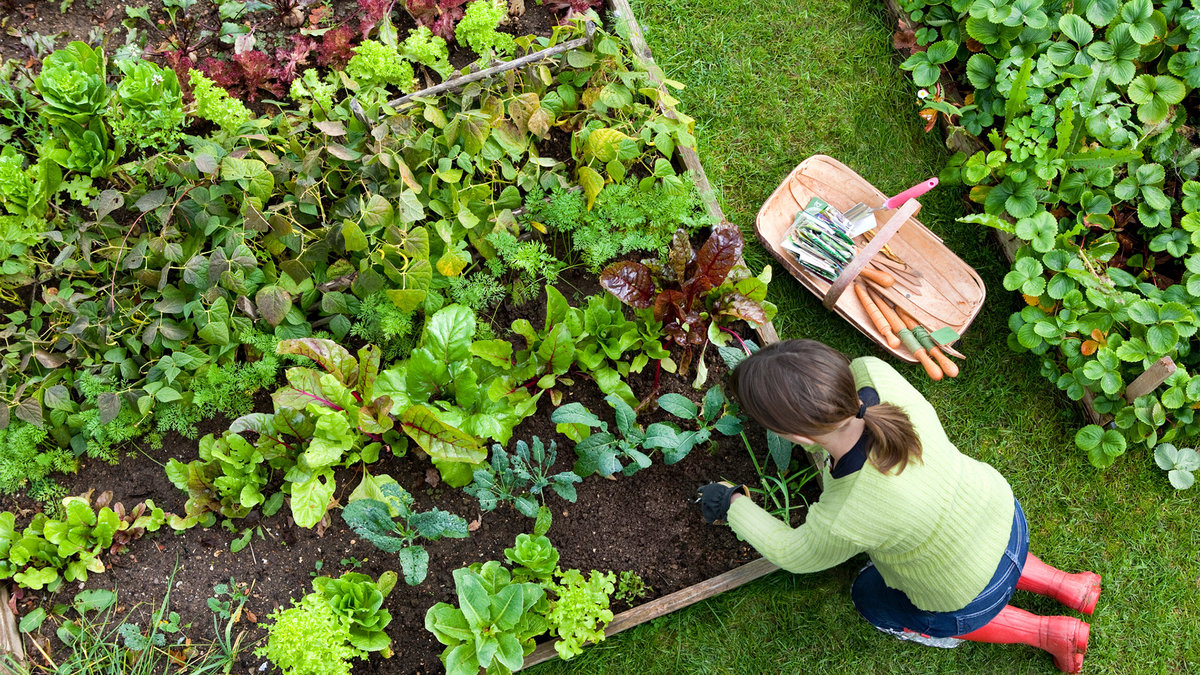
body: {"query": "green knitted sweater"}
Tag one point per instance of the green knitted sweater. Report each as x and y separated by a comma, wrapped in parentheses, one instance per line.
(936, 531)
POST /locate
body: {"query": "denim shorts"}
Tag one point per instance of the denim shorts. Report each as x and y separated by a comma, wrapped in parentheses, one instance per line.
(891, 610)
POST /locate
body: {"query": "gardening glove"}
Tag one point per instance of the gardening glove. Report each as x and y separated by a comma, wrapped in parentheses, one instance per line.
(714, 500)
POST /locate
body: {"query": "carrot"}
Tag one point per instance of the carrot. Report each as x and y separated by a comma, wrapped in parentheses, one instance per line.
(948, 367)
(883, 279)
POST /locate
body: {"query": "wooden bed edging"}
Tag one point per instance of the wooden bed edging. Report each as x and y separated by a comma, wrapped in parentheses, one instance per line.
(734, 578)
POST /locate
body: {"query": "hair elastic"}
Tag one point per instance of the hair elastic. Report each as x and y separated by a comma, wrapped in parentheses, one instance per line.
(862, 410)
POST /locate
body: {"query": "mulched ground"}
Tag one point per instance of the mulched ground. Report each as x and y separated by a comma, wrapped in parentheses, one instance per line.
(646, 523)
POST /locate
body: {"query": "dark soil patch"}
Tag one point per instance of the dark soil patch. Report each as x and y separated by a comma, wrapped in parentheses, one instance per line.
(646, 523)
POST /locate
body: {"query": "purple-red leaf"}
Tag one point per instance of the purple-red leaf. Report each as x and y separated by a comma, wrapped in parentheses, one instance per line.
(718, 255)
(738, 306)
(681, 255)
(630, 282)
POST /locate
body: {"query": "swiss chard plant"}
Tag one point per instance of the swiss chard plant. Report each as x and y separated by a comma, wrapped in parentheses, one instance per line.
(383, 513)
(690, 293)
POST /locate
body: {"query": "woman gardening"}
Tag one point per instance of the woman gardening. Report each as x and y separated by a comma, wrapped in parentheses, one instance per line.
(948, 543)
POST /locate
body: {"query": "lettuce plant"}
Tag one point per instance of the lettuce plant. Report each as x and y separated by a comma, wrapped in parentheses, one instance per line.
(151, 106)
(73, 83)
(477, 29)
(533, 557)
(580, 612)
(429, 50)
(494, 625)
(375, 64)
(227, 480)
(381, 512)
(86, 150)
(215, 105)
(358, 600)
(309, 638)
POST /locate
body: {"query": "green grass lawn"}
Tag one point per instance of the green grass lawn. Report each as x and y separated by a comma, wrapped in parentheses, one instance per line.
(770, 84)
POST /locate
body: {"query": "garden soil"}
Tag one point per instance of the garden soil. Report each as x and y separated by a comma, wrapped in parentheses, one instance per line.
(647, 523)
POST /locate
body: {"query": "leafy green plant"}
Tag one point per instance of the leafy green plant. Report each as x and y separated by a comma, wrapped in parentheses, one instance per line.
(1179, 463)
(151, 107)
(382, 512)
(427, 49)
(631, 587)
(358, 600)
(73, 83)
(50, 551)
(674, 442)
(494, 625)
(215, 105)
(309, 638)
(521, 478)
(580, 613)
(602, 451)
(689, 294)
(376, 64)
(533, 558)
(227, 480)
(228, 646)
(477, 29)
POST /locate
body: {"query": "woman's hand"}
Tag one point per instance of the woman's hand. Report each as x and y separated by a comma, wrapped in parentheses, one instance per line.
(715, 499)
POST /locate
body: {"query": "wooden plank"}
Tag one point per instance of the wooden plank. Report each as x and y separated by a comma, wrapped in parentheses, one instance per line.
(1148, 381)
(668, 603)
(10, 638)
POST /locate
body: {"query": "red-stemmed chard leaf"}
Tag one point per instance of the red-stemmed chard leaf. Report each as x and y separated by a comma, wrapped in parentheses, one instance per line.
(631, 282)
(718, 255)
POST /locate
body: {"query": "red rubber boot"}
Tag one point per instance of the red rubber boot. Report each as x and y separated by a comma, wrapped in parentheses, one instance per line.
(1077, 591)
(1065, 637)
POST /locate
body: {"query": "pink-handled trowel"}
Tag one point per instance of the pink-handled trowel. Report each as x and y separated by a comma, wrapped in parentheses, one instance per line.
(862, 217)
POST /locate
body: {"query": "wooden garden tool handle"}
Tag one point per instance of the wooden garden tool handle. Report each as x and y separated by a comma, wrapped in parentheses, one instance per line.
(877, 317)
(855, 266)
(877, 276)
(906, 336)
(948, 367)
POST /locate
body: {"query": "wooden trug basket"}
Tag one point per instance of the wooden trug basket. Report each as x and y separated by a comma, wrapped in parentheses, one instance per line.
(950, 293)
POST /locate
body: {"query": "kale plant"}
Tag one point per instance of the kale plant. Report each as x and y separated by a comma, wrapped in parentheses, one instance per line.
(602, 451)
(381, 512)
(521, 478)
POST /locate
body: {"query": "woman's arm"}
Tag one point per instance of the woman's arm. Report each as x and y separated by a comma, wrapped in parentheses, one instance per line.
(808, 548)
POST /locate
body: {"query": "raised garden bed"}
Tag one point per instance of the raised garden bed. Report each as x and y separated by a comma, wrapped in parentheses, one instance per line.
(645, 523)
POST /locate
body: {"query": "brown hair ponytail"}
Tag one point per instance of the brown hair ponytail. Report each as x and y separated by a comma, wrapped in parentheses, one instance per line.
(804, 387)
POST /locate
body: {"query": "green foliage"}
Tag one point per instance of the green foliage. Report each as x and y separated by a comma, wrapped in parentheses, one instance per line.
(25, 457)
(73, 83)
(215, 105)
(427, 49)
(381, 512)
(1056, 89)
(494, 626)
(309, 638)
(533, 558)
(358, 601)
(1179, 463)
(521, 478)
(631, 587)
(674, 442)
(380, 322)
(477, 29)
(479, 291)
(626, 217)
(150, 107)
(375, 64)
(602, 451)
(580, 612)
(51, 550)
(85, 150)
(227, 480)
(530, 263)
